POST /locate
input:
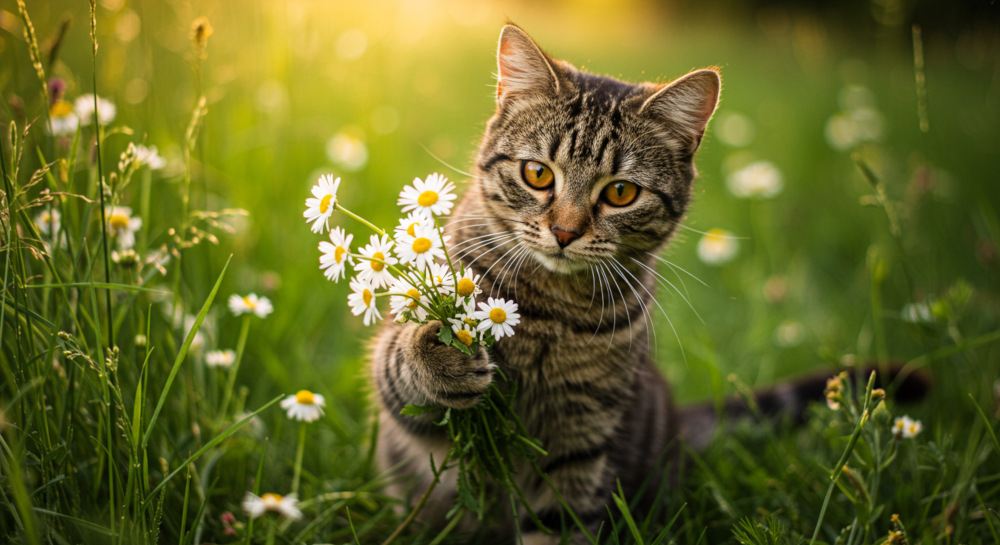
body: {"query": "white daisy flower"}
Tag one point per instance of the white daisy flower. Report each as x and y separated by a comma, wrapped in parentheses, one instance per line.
(84, 107)
(467, 285)
(304, 405)
(432, 196)
(420, 249)
(465, 332)
(498, 316)
(406, 298)
(256, 506)
(122, 226)
(321, 205)
(409, 224)
(375, 269)
(717, 246)
(336, 254)
(362, 300)
(761, 180)
(261, 306)
(906, 428)
(440, 275)
(63, 118)
(220, 358)
(149, 157)
(48, 221)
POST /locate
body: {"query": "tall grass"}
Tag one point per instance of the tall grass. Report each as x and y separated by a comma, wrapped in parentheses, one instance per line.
(114, 428)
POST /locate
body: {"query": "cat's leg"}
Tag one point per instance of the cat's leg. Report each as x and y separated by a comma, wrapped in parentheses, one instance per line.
(411, 366)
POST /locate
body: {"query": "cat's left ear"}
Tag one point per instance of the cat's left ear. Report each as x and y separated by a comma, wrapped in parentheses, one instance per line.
(686, 104)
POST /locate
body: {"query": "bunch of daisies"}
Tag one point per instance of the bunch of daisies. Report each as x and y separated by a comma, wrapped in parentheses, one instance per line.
(410, 266)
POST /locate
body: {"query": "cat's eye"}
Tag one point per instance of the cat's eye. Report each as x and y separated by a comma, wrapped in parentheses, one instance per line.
(536, 174)
(620, 193)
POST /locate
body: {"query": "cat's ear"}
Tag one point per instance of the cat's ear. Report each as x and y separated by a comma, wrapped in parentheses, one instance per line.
(522, 67)
(686, 104)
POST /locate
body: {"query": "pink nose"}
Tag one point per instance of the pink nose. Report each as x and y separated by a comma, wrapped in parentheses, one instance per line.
(564, 237)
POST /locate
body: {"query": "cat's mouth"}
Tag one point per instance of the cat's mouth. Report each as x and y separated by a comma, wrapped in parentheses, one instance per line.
(559, 261)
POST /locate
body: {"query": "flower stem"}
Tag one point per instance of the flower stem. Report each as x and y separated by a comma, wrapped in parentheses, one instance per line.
(420, 504)
(359, 218)
(298, 459)
(240, 345)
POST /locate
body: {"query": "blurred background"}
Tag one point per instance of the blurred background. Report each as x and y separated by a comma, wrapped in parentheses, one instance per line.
(811, 256)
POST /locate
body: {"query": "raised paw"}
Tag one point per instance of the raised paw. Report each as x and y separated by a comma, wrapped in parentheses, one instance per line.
(449, 377)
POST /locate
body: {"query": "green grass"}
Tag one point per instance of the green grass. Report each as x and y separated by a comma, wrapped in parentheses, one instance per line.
(140, 442)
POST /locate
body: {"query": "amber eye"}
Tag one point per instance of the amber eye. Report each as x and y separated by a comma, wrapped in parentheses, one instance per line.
(536, 174)
(620, 193)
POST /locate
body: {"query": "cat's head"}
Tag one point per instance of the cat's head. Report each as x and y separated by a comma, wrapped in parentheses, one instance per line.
(585, 168)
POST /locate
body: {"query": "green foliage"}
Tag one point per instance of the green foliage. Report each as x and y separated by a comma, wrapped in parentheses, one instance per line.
(880, 249)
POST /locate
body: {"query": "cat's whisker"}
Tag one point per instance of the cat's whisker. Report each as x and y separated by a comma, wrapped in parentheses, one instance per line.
(646, 317)
(505, 269)
(452, 167)
(614, 310)
(599, 280)
(673, 265)
(666, 283)
(628, 314)
(480, 237)
(517, 270)
(502, 239)
(501, 258)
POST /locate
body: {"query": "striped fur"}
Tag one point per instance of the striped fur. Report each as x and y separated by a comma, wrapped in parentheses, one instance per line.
(587, 386)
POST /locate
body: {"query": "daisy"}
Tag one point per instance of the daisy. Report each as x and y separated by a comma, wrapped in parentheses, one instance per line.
(498, 315)
(320, 206)
(122, 225)
(48, 222)
(362, 300)
(63, 118)
(336, 254)
(717, 246)
(906, 427)
(761, 179)
(406, 298)
(84, 107)
(261, 306)
(467, 285)
(375, 269)
(409, 224)
(465, 332)
(256, 506)
(304, 405)
(149, 157)
(438, 274)
(220, 358)
(432, 196)
(420, 249)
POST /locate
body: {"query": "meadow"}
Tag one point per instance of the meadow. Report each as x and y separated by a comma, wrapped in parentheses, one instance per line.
(845, 212)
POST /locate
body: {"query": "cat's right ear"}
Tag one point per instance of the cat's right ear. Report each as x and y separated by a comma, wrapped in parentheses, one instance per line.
(686, 105)
(522, 67)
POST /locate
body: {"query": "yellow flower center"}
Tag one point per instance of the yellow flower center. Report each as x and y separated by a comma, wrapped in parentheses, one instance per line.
(465, 287)
(498, 316)
(717, 235)
(366, 296)
(427, 198)
(324, 204)
(471, 322)
(421, 245)
(251, 304)
(118, 221)
(338, 254)
(415, 295)
(411, 230)
(464, 337)
(272, 497)
(378, 265)
(305, 397)
(60, 109)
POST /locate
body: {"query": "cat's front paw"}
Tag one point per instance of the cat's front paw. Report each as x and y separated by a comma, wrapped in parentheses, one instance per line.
(450, 377)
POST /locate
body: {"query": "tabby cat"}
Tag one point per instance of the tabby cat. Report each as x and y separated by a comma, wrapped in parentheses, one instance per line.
(580, 181)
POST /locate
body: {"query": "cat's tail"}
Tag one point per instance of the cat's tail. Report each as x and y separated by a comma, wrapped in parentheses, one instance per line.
(789, 400)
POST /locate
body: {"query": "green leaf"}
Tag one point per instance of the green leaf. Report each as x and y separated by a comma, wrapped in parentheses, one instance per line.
(417, 410)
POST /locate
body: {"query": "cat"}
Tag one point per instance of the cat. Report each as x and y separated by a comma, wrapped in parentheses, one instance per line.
(583, 179)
